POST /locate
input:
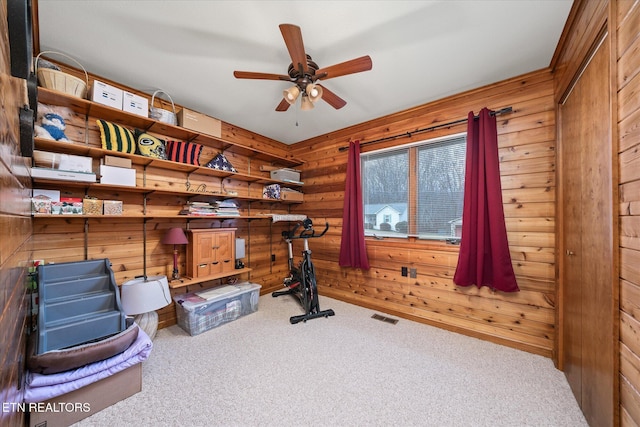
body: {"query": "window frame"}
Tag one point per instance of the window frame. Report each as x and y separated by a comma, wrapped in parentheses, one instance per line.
(413, 184)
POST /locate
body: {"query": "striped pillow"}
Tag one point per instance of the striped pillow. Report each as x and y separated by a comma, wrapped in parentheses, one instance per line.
(117, 138)
(184, 152)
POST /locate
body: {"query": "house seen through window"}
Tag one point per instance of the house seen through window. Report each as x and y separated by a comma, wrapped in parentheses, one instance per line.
(415, 190)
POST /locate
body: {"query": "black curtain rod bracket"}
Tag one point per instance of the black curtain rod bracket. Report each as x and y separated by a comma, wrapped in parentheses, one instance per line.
(415, 132)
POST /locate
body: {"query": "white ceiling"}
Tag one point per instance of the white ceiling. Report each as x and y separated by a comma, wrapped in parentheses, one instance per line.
(421, 51)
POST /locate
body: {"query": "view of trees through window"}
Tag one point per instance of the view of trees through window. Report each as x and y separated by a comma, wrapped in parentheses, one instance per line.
(425, 202)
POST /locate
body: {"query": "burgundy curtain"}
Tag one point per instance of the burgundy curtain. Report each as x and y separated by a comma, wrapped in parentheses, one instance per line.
(484, 251)
(353, 252)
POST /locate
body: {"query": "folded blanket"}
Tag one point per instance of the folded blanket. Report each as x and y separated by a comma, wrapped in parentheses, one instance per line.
(41, 387)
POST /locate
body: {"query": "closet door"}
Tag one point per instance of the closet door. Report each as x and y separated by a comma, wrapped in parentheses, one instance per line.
(587, 262)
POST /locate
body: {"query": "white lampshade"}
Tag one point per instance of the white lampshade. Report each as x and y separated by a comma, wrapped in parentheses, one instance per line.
(143, 295)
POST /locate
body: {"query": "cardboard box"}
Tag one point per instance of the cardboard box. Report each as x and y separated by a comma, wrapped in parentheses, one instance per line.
(67, 206)
(46, 173)
(291, 195)
(199, 122)
(120, 162)
(42, 200)
(112, 207)
(87, 400)
(105, 94)
(40, 205)
(135, 104)
(91, 206)
(117, 176)
(67, 162)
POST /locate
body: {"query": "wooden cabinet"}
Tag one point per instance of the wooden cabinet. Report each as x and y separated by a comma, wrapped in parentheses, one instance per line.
(211, 252)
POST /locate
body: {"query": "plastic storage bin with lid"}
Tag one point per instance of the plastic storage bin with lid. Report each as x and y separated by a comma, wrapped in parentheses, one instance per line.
(201, 311)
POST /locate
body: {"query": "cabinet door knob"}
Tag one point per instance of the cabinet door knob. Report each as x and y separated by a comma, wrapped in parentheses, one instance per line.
(570, 252)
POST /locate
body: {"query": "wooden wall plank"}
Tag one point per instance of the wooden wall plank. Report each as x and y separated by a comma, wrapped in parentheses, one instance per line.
(628, 97)
(628, 68)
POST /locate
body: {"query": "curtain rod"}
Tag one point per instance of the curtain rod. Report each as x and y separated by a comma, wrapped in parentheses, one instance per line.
(443, 125)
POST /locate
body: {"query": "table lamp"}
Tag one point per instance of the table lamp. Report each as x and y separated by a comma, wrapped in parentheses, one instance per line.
(175, 236)
(141, 297)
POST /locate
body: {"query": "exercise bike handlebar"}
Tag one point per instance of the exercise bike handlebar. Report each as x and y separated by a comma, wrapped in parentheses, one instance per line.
(307, 233)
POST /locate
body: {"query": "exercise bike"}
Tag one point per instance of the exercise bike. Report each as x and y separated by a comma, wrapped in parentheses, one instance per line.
(301, 282)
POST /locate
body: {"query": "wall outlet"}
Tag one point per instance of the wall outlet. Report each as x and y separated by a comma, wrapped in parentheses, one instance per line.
(413, 273)
(404, 272)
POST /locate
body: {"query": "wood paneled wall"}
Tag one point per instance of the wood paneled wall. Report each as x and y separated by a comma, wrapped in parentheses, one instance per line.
(526, 139)
(626, 15)
(15, 232)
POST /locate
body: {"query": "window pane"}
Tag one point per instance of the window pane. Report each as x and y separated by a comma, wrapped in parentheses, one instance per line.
(441, 188)
(385, 192)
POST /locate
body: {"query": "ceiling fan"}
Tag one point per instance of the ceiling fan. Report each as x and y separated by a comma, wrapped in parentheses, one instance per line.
(304, 73)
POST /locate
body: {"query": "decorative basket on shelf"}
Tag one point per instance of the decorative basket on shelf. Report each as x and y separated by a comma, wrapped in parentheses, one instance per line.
(161, 115)
(57, 80)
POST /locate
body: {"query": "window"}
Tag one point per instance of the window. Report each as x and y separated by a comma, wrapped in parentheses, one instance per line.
(415, 190)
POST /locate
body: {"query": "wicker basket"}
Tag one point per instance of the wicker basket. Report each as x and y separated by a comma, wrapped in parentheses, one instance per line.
(62, 82)
(164, 116)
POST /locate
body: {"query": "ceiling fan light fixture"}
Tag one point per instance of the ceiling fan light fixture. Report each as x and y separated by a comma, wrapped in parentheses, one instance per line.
(306, 103)
(314, 92)
(291, 94)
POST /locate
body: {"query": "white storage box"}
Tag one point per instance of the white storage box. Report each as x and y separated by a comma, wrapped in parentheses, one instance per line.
(66, 162)
(47, 173)
(135, 104)
(117, 176)
(198, 312)
(291, 175)
(105, 94)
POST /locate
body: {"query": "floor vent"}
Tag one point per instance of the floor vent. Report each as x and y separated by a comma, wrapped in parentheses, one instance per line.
(384, 319)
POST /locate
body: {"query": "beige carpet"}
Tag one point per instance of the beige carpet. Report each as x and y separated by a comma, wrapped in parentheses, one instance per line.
(346, 370)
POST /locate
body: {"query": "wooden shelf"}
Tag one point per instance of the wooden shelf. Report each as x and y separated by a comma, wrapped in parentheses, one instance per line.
(188, 281)
(89, 108)
(150, 168)
(95, 152)
(154, 216)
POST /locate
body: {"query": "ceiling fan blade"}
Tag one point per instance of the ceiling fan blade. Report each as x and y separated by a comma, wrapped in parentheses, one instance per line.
(260, 76)
(332, 99)
(283, 106)
(293, 39)
(348, 67)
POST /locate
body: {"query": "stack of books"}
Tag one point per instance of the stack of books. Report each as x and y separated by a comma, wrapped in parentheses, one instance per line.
(217, 208)
(227, 208)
